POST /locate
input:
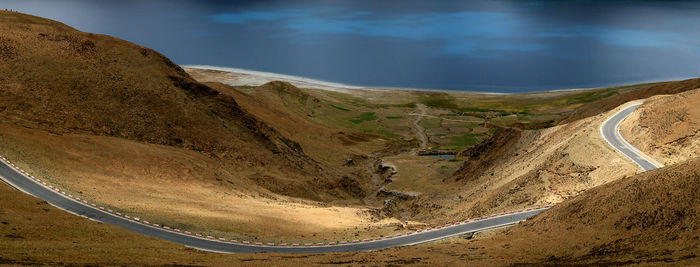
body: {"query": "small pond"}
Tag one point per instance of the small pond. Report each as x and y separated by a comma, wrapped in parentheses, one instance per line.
(442, 156)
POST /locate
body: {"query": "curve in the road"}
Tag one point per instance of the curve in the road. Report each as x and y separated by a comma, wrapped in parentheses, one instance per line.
(20, 179)
(610, 132)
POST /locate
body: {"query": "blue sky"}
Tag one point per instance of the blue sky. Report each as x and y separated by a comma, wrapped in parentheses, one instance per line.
(506, 46)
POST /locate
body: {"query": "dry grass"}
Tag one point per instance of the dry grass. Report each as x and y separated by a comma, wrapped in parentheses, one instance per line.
(629, 94)
(292, 115)
(647, 219)
(181, 188)
(122, 125)
(531, 168)
(666, 127)
(61, 80)
(130, 129)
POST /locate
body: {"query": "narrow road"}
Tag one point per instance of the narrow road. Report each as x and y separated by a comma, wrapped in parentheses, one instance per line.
(610, 132)
(18, 179)
(56, 197)
(418, 128)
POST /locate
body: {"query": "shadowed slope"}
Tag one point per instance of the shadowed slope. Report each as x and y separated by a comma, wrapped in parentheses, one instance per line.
(60, 80)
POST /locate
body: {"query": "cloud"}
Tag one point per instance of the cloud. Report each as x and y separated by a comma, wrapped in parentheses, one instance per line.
(253, 16)
(618, 36)
(465, 33)
(492, 51)
(461, 33)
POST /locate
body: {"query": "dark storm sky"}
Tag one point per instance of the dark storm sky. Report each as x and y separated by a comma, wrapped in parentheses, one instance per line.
(501, 46)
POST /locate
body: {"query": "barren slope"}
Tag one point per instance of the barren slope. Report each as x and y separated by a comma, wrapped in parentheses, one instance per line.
(516, 169)
(646, 219)
(177, 187)
(123, 125)
(666, 127)
(649, 217)
(292, 111)
(60, 80)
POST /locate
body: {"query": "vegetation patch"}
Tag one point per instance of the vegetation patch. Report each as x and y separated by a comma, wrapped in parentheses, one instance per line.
(366, 116)
(404, 105)
(243, 87)
(339, 108)
(466, 140)
(439, 100)
(384, 132)
(432, 123)
(590, 96)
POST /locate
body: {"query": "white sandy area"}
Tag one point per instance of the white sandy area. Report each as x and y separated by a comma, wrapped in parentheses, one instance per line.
(243, 77)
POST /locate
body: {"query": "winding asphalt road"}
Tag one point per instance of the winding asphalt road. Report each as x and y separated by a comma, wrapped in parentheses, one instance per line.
(19, 179)
(610, 132)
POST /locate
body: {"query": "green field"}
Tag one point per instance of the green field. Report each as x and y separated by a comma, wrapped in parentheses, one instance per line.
(365, 116)
(456, 120)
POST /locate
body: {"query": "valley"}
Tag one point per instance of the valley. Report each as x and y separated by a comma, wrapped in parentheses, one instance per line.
(271, 161)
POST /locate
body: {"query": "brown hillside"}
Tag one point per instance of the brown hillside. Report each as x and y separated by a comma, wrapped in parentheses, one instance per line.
(608, 103)
(487, 153)
(516, 169)
(283, 106)
(125, 127)
(666, 127)
(292, 112)
(647, 219)
(283, 89)
(64, 81)
(60, 80)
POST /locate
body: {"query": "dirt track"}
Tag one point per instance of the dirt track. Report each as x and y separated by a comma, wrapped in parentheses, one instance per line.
(419, 130)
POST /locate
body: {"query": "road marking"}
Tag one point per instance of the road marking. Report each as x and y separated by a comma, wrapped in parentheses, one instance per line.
(638, 156)
(99, 218)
